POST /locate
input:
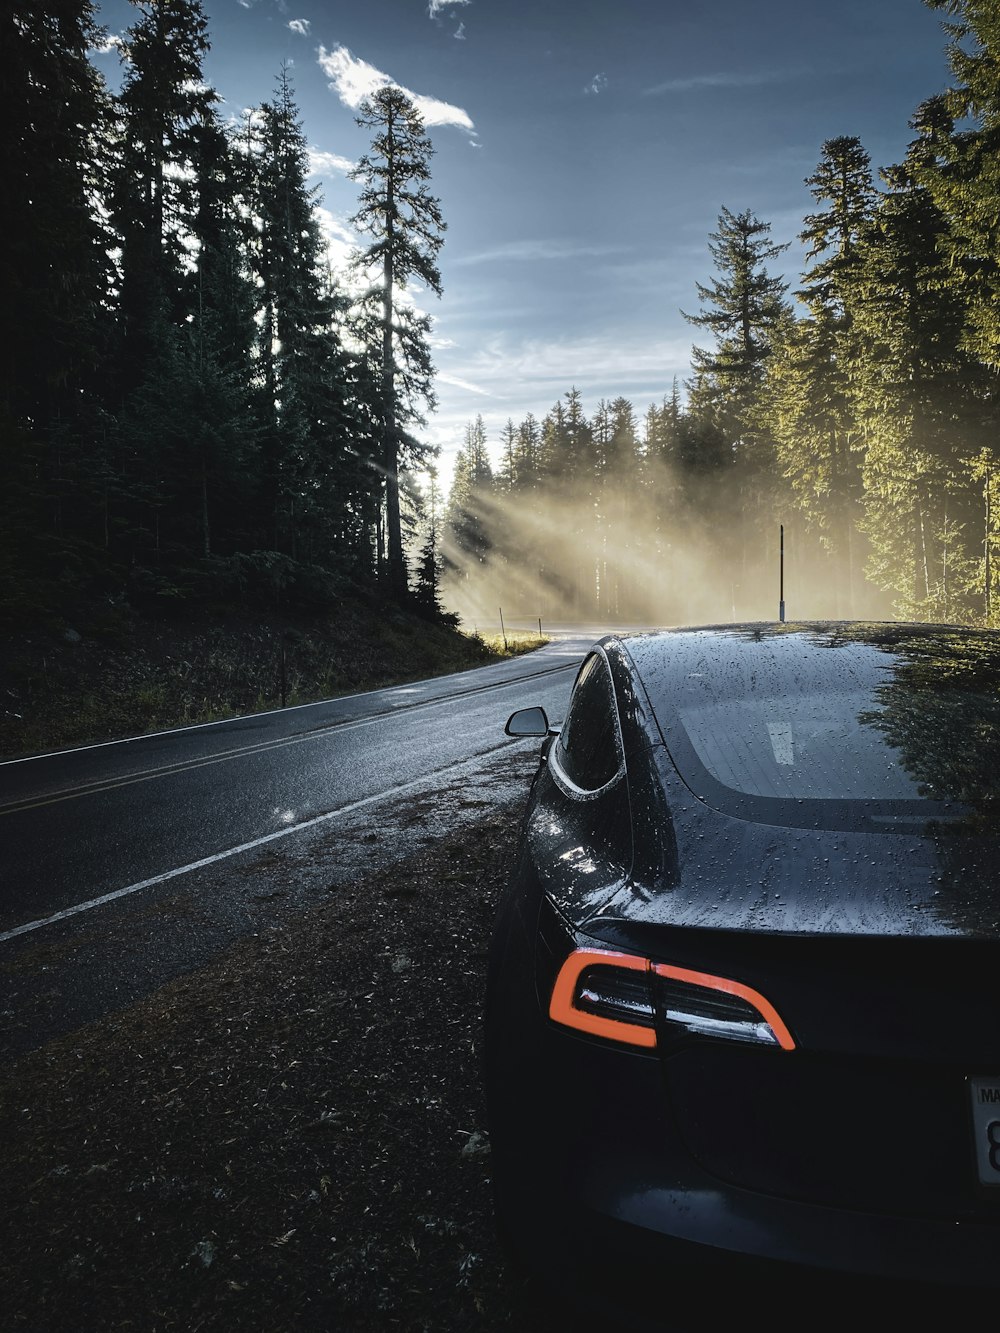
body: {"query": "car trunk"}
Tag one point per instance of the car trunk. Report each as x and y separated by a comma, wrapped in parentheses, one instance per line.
(873, 1109)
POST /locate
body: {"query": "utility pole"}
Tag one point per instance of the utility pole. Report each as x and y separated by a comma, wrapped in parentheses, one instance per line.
(781, 575)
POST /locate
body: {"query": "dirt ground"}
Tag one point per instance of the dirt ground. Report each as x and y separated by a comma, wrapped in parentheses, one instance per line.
(291, 1138)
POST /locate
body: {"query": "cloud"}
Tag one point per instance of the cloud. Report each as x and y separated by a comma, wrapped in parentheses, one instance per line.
(459, 33)
(597, 84)
(731, 80)
(354, 79)
(529, 375)
(328, 164)
(613, 365)
(301, 26)
(457, 383)
(341, 241)
(435, 7)
(111, 42)
(531, 251)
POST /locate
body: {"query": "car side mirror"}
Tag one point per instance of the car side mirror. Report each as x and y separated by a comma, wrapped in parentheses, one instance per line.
(528, 722)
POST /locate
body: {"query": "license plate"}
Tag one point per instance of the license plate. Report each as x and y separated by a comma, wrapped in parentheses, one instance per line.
(986, 1127)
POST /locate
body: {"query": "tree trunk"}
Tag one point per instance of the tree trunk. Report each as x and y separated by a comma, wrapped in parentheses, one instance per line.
(394, 532)
(206, 536)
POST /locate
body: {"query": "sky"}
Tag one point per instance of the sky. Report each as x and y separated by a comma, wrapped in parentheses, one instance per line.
(582, 152)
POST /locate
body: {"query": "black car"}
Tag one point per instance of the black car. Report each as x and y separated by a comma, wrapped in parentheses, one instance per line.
(744, 991)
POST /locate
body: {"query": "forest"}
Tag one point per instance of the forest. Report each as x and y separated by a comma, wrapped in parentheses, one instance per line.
(195, 408)
(192, 409)
(859, 413)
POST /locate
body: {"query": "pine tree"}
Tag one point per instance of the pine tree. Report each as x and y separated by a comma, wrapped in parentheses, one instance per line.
(746, 312)
(404, 222)
(808, 407)
(427, 586)
(527, 455)
(163, 101)
(469, 520)
(745, 306)
(915, 390)
(53, 269)
(505, 479)
(554, 450)
(315, 439)
(843, 183)
(54, 283)
(956, 158)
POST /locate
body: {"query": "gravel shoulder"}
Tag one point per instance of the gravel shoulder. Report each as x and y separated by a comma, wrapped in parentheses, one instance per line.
(292, 1137)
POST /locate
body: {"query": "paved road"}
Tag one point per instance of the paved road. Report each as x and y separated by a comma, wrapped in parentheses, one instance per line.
(82, 824)
(125, 865)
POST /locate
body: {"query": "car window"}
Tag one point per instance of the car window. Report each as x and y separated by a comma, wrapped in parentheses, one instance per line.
(589, 749)
(830, 724)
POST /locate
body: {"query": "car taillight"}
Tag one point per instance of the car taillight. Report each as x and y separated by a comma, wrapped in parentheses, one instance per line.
(618, 996)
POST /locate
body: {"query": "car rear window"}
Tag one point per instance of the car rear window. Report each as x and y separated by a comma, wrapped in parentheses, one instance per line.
(798, 746)
(881, 715)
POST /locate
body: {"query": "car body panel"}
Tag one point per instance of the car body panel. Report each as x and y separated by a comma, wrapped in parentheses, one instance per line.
(874, 935)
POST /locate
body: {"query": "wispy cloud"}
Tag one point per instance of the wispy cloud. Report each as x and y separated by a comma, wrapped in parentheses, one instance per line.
(328, 164)
(301, 26)
(732, 79)
(529, 375)
(353, 79)
(341, 241)
(110, 43)
(436, 7)
(467, 385)
(532, 250)
(596, 85)
(606, 362)
(459, 33)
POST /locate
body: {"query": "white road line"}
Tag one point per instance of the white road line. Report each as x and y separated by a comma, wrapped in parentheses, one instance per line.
(270, 712)
(243, 847)
(98, 786)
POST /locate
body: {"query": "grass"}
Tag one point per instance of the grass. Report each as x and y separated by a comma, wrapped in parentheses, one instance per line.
(154, 675)
(512, 644)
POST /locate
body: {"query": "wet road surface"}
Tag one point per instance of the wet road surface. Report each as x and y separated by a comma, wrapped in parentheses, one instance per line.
(125, 864)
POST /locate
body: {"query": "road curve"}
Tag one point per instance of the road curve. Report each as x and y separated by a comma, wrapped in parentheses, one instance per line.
(82, 827)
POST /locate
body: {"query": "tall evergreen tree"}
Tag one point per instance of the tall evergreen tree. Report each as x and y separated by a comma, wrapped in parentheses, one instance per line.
(470, 516)
(53, 269)
(809, 407)
(315, 436)
(744, 305)
(843, 187)
(957, 158)
(915, 390)
(505, 479)
(404, 222)
(54, 282)
(427, 585)
(527, 453)
(745, 310)
(163, 102)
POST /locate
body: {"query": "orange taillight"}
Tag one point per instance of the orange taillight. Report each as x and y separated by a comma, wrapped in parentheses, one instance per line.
(610, 994)
(706, 981)
(564, 1006)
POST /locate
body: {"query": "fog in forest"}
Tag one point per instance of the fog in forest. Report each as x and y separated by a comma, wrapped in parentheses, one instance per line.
(629, 559)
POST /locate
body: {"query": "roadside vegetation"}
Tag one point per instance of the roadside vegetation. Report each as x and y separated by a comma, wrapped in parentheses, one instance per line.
(117, 673)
